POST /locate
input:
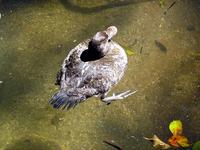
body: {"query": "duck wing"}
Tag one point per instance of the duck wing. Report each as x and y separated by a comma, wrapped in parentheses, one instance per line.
(100, 74)
(80, 80)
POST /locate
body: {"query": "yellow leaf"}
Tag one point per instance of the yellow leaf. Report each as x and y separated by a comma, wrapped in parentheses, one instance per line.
(178, 141)
(176, 127)
(129, 51)
(183, 142)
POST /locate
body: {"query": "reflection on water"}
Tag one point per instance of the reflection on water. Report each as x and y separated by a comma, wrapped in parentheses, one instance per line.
(35, 37)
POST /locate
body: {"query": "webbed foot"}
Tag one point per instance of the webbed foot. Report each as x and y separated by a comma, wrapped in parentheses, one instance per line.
(115, 97)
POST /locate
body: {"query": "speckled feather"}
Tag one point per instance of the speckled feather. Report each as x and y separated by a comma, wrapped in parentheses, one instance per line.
(80, 80)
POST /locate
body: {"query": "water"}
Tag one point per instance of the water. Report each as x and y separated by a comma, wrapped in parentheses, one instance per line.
(35, 37)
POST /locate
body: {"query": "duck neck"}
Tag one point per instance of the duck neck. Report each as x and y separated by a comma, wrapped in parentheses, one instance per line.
(98, 50)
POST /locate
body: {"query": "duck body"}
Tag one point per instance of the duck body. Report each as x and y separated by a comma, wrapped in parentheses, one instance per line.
(86, 73)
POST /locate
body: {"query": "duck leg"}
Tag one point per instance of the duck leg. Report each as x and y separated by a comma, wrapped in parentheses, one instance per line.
(115, 97)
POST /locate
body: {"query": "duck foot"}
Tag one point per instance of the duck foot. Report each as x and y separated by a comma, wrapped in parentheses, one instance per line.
(115, 97)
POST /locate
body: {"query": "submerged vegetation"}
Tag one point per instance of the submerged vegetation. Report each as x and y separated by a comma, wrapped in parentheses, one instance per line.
(162, 3)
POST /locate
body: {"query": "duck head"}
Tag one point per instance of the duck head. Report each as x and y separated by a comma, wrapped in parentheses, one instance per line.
(100, 41)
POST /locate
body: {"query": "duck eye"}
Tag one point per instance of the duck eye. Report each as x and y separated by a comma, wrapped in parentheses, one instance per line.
(109, 40)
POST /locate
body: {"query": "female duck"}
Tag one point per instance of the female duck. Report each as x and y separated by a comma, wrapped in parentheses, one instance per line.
(92, 68)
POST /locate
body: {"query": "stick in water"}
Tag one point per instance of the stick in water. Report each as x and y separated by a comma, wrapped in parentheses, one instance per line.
(113, 145)
(170, 7)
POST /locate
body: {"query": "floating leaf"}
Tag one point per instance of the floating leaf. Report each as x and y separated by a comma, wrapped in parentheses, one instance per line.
(129, 51)
(178, 141)
(176, 127)
(196, 146)
(157, 143)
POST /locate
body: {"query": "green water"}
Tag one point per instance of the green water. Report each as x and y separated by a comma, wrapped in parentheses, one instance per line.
(35, 37)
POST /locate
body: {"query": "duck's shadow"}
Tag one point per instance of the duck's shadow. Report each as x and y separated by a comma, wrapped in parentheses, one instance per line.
(70, 5)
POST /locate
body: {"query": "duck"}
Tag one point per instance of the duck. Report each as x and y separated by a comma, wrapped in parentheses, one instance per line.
(90, 69)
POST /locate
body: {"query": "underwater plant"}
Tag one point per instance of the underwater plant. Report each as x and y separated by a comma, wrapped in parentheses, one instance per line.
(162, 3)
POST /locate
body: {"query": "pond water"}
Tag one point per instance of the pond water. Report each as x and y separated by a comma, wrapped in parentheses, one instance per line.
(35, 37)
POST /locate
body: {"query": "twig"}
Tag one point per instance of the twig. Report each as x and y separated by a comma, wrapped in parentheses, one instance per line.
(113, 145)
(141, 50)
(170, 7)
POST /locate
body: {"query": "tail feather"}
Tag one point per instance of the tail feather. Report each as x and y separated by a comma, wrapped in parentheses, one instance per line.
(62, 100)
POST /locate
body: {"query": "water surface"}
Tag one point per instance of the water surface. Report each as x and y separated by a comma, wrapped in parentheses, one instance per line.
(35, 37)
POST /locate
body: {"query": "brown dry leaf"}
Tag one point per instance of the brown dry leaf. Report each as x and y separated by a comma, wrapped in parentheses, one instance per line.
(179, 141)
(157, 143)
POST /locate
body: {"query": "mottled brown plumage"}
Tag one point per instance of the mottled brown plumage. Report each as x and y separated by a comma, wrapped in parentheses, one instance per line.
(92, 68)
